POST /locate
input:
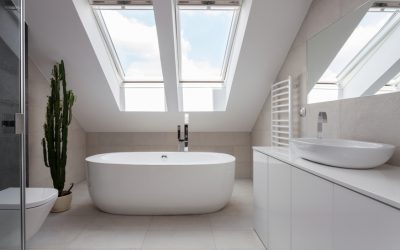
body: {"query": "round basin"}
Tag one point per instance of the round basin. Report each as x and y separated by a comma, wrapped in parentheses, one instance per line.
(343, 153)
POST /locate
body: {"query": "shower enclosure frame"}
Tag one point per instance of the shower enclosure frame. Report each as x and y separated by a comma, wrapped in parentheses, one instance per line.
(23, 113)
(13, 127)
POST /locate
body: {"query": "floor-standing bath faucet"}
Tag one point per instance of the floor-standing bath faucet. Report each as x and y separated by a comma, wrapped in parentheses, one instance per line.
(322, 118)
(184, 142)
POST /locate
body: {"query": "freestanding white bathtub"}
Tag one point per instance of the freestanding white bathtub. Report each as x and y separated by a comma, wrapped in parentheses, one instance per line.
(160, 183)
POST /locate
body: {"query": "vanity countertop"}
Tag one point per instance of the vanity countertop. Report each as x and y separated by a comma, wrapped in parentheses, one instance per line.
(382, 183)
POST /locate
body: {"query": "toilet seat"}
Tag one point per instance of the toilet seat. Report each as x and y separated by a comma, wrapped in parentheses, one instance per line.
(39, 202)
(10, 197)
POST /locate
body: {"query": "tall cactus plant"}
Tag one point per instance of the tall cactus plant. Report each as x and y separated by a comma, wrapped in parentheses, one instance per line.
(58, 118)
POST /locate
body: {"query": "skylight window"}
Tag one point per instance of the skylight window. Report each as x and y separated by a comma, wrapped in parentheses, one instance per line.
(205, 37)
(202, 67)
(205, 40)
(392, 86)
(367, 60)
(132, 39)
(368, 28)
(145, 98)
(198, 99)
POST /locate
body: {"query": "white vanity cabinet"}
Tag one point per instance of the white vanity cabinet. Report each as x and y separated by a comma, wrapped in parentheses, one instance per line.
(279, 199)
(272, 198)
(298, 209)
(260, 193)
(361, 223)
(312, 212)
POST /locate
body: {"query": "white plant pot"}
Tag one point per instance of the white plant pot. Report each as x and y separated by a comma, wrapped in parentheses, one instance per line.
(62, 204)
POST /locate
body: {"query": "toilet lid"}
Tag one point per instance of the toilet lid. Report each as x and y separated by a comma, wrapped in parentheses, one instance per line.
(10, 197)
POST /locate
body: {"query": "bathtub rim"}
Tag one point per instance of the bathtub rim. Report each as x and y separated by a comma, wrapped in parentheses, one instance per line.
(96, 159)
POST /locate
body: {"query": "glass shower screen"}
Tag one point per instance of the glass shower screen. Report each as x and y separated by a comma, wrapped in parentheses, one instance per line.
(11, 142)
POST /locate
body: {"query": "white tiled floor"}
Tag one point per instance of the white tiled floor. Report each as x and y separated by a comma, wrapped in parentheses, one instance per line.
(85, 228)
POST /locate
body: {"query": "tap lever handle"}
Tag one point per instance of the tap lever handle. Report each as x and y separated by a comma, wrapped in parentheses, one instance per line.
(186, 132)
(179, 132)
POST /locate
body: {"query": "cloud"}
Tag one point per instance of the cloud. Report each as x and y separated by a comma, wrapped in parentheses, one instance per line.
(201, 70)
(137, 46)
(131, 34)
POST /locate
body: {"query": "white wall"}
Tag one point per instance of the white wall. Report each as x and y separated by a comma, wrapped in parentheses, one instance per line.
(39, 174)
(261, 133)
(373, 118)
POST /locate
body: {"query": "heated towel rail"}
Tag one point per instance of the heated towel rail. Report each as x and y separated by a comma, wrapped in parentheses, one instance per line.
(281, 115)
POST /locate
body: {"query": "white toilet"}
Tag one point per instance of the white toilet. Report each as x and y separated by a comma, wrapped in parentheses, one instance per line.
(39, 202)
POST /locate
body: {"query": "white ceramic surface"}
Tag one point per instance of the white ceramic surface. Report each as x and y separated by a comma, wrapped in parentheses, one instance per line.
(381, 184)
(39, 201)
(139, 183)
(326, 215)
(10, 197)
(343, 153)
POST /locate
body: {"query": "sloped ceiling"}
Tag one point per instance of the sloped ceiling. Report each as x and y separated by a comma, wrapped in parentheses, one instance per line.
(56, 32)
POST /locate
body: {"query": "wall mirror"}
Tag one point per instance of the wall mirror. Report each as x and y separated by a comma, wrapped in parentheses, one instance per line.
(359, 55)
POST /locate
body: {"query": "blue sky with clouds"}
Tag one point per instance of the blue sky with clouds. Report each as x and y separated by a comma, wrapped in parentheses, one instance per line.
(207, 34)
(204, 35)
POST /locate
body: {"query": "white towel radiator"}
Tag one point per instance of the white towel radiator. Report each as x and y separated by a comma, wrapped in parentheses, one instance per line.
(281, 115)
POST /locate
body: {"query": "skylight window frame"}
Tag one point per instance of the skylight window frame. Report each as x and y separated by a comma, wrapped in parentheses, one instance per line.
(140, 86)
(372, 44)
(230, 42)
(108, 40)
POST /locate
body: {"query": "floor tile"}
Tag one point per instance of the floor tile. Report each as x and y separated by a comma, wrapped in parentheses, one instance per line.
(237, 239)
(241, 248)
(41, 249)
(109, 238)
(179, 239)
(235, 207)
(84, 227)
(120, 222)
(179, 249)
(59, 231)
(231, 222)
(124, 248)
(187, 222)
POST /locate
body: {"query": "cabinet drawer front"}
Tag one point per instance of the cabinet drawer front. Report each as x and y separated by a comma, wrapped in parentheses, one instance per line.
(312, 212)
(361, 223)
(260, 192)
(279, 187)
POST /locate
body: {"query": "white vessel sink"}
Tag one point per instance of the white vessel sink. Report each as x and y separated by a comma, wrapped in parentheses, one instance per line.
(343, 153)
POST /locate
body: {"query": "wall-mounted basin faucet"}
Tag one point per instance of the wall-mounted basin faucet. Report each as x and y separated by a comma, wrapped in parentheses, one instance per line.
(322, 118)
